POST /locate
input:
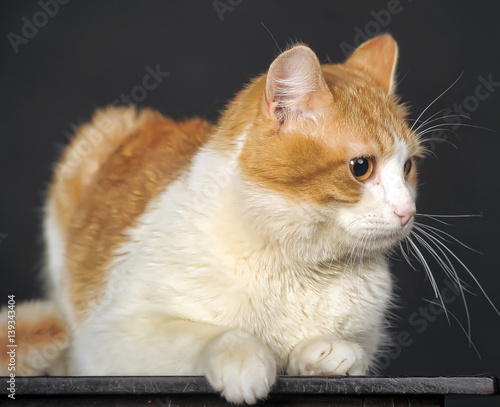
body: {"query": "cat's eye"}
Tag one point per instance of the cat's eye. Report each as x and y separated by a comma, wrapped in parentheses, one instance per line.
(362, 167)
(407, 168)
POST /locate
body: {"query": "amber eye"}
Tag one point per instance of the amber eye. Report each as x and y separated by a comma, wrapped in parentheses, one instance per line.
(407, 168)
(362, 167)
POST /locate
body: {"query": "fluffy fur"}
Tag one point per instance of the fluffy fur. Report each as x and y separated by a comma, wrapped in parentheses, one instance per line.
(40, 340)
(242, 250)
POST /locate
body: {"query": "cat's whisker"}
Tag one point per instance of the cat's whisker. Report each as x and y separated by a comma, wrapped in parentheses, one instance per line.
(470, 274)
(406, 257)
(449, 271)
(410, 251)
(447, 265)
(471, 343)
(363, 252)
(436, 99)
(392, 254)
(474, 215)
(442, 126)
(423, 122)
(437, 217)
(444, 256)
(352, 257)
(356, 255)
(337, 251)
(428, 121)
(359, 253)
(424, 263)
(439, 140)
(438, 232)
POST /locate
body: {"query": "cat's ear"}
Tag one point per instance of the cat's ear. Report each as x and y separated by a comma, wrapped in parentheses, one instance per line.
(295, 85)
(377, 58)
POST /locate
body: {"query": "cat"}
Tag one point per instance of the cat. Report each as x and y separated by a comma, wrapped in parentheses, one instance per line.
(240, 250)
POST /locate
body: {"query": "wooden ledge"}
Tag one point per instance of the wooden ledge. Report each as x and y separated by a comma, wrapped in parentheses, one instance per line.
(288, 391)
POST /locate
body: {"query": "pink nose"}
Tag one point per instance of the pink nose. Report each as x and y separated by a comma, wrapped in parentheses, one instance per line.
(405, 216)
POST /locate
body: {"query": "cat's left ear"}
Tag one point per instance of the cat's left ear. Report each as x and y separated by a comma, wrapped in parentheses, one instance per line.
(295, 86)
(377, 58)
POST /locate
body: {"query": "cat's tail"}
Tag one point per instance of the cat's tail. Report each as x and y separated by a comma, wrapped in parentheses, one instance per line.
(89, 150)
(34, 340)
(77, 170)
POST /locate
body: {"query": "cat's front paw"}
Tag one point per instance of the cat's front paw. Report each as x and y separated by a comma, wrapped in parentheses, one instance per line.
(327, 355)
(239, 366)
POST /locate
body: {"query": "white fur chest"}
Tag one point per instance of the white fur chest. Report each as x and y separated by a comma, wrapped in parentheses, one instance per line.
(280, 304)
(198, 262)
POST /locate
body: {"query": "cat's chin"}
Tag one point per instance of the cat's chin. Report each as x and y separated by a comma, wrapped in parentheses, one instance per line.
(380, 241)
(388, 240)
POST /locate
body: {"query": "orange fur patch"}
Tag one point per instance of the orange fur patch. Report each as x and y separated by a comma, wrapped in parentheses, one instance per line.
(309, 159)
(40, 336)
(109, 197)
(83, 157)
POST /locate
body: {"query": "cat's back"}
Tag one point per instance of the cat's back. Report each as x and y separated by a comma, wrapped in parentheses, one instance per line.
(108, 174)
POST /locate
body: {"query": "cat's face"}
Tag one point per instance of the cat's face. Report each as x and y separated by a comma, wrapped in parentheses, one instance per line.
(333, 148)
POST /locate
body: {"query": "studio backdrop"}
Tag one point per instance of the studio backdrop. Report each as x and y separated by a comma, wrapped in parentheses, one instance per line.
(60, 60)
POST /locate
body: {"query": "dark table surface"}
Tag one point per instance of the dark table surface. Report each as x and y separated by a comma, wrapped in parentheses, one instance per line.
(327, 385)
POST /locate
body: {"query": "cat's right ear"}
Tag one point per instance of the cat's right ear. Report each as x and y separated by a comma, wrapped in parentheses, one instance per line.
(295, 86)
(378, 58)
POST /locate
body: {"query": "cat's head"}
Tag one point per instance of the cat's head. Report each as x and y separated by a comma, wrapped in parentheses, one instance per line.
(328, 157)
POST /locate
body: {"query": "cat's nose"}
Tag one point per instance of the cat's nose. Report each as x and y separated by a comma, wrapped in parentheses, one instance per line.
(405, 215)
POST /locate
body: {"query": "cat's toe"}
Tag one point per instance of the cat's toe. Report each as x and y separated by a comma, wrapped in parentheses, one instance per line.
(240, 367)
(344, 358)
(327, 355)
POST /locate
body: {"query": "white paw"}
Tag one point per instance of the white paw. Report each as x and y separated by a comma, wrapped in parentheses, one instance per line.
(327, 355)
(239, 366)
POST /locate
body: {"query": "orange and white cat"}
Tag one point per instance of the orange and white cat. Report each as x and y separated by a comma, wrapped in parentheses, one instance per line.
(244, 249)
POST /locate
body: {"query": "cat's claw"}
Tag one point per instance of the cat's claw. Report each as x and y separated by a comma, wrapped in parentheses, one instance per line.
(239, 366)
(327, 355)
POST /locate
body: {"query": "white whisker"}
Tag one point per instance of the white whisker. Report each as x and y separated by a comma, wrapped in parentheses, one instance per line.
(422, 260)
(426, 120)
(461, 326)
(450, 216)
(448, 265)
(439, 118)
(438, 232)
(441, 140)
(442, 126)
(439, 260)
(436, 99)
(406, 257)
(470, 274)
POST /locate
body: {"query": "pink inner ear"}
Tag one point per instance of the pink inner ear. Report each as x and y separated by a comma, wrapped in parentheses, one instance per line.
(301, 111)
(293, 84)
(377, 58)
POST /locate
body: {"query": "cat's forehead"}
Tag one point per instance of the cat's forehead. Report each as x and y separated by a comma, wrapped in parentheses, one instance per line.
(366, 121)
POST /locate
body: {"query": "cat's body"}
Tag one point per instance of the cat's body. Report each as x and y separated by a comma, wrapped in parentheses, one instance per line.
(240, 250)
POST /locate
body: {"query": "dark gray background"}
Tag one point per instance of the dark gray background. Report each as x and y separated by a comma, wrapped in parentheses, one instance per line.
(91, 52)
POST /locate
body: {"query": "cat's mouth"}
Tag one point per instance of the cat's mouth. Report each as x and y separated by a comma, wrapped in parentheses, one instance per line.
(375, 235)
